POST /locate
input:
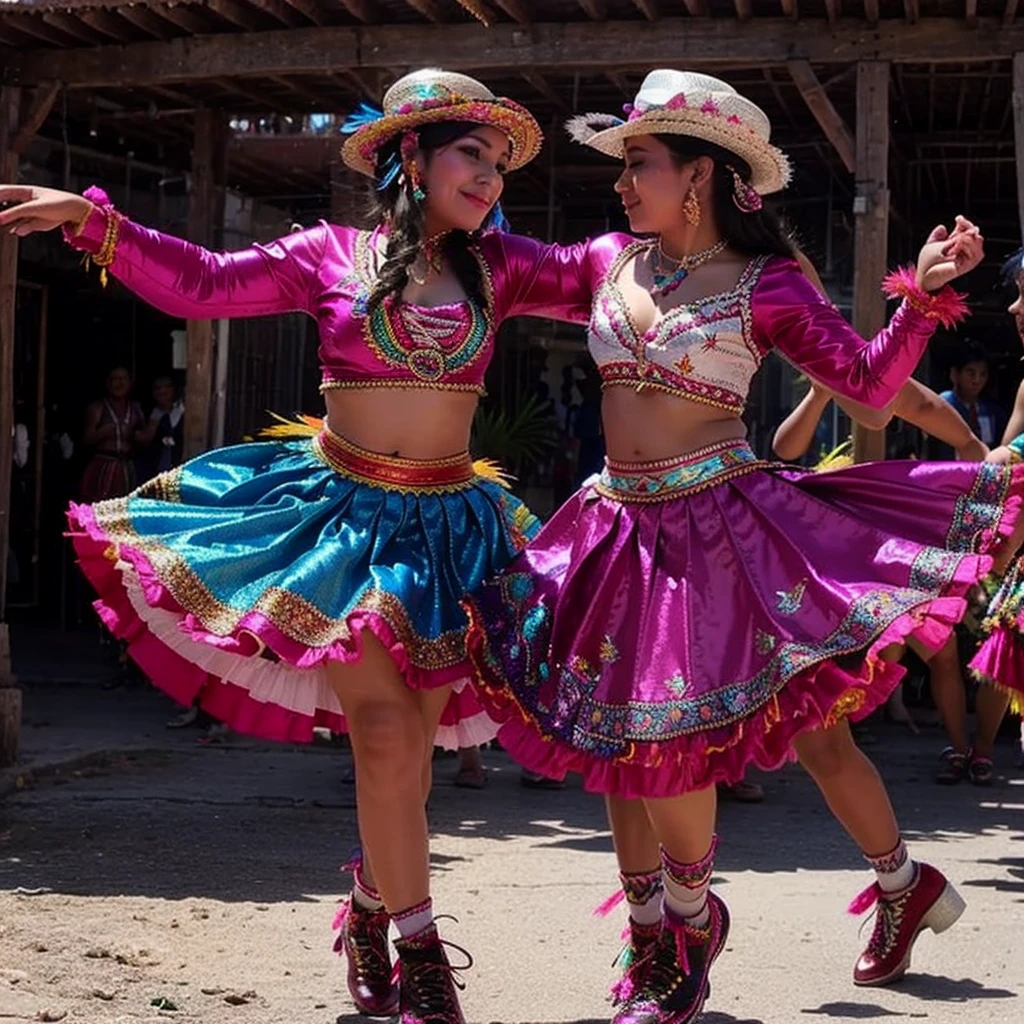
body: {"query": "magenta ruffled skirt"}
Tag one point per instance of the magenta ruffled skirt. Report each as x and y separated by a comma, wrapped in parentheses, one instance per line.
(680, 621)
(999, 660)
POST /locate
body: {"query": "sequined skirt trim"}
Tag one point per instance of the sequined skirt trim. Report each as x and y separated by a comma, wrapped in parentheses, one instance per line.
(668, 479)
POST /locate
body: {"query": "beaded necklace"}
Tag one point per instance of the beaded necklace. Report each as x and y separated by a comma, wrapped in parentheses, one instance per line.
(666, 283)
(431, 342)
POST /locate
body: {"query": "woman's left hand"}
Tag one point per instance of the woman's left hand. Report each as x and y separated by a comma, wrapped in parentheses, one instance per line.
(1001, 456)
(946, 256)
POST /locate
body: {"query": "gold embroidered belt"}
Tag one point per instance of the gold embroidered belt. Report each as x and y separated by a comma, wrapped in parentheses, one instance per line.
(677, 477)
(453, 473)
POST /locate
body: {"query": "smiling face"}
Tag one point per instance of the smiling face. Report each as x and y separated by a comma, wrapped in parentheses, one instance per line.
(464, 179)
(654, 183)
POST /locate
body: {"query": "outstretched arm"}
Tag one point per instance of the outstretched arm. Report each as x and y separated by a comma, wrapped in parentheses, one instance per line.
(791, 315)
(175, 276)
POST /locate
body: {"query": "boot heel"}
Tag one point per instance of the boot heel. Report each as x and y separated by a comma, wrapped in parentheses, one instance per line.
(945, 911)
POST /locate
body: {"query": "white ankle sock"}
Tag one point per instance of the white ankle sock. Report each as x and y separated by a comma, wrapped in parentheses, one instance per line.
(686, 886)
(691, 904)
(363, 895)
(894, 870)
(414, 920)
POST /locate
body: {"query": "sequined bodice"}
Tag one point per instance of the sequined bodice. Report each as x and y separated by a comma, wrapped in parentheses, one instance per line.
(699, 350)
(446, 346)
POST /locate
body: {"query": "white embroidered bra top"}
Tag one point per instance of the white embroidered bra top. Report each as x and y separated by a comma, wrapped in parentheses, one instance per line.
(701, 350)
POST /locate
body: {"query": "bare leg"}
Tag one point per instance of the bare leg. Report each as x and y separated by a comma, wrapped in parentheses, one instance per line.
(685, 825)
(386, 727)
(431, 704)
(636, 845)
(851, 785)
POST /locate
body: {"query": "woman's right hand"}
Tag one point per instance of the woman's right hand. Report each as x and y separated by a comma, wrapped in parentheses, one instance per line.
(40, 209)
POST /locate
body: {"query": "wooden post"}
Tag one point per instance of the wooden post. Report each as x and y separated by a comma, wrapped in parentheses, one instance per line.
(1018, 130)
(10, 696)
(871, 238)
(205, 219)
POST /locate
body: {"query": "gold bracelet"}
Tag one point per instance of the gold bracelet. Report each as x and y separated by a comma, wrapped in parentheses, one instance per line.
(108, 249)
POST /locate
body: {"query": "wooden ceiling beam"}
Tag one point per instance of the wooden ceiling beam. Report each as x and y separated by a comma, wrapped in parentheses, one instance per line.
(544, 87)
(833, 10)
(430, 9)
(584, 45)
(744, 9)
(282, 12)
(648, 8)
(38, 28)
(187, 18)
(317, 101)
(365, 11)
(1010, 11)
(790, 9)
(871, 11)
(311, 10)
(912, 11)
(36, 111)
(235, 12)
(596, 10)
(829, 119)
(971, 13)
(74, 28)
(517, 10)
(145, 19)
(480, 10)
(109, 24)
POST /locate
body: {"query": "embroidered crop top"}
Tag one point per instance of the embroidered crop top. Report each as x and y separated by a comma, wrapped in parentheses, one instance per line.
(709, 350)
(326, 271)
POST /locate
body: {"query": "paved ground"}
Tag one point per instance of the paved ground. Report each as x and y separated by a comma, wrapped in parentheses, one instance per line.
(208, 877)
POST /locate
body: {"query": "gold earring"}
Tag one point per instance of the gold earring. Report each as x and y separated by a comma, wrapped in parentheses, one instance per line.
(691, 207)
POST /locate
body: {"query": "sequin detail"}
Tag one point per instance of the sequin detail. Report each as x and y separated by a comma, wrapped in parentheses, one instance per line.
(978, 513)
(694, 875)
(420, 476)
(674, 478)
(611, 730)
(295, 616)
(790, 601)
(703, 351)
(641, 887)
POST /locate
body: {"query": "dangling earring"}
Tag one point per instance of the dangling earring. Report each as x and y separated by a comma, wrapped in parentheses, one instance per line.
(691, 207)
(416, 182)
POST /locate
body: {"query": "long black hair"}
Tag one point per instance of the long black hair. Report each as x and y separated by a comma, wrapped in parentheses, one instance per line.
(761, 233)
(396, 206)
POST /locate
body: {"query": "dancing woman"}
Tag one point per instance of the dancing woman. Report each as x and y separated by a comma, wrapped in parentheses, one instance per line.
(698, 610)
(294, 584)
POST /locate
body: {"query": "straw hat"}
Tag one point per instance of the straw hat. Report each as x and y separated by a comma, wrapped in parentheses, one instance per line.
(429, 96)
(687, 103)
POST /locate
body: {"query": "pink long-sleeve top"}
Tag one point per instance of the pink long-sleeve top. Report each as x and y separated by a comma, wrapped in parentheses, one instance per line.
(707, 351)
(327, 272)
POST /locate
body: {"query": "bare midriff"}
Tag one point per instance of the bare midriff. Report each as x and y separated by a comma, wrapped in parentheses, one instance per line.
(651, 425)
(412, 423)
